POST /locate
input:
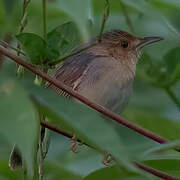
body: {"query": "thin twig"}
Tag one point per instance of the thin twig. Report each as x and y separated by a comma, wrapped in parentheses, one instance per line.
(105, 17)
(126, 15)
(139, 165)
(69, 55)
(81, 98)
(173, 97)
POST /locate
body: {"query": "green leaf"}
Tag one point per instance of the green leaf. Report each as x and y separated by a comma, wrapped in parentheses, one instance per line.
(79, 119)
(157, 124)
(18, 120)
(6, 173)
(112, 173)
(54, 171)
(62, 39)
(34, 46)
(171, 64)
(80, 11)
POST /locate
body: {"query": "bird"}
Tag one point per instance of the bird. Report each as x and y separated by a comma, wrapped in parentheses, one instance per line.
(104, 73)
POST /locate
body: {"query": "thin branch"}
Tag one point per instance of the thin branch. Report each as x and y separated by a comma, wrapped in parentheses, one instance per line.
(6, 45)
(74, 94)
(105, 17)
(139, 165)
(155, 172)
(173, 97)
(126, 15)
(69, 55)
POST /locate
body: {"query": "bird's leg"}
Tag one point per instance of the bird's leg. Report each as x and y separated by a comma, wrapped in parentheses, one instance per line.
(107, 159)
(74, 144)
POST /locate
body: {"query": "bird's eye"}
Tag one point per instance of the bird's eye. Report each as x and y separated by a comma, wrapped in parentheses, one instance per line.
(124, 44)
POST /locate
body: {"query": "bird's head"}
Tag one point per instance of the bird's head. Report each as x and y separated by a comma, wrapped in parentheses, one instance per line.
(124, 46)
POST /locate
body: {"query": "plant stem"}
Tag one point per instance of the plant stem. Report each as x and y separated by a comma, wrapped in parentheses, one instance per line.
(128, 20)
(44, 19)
(105, 17)
(173, 97)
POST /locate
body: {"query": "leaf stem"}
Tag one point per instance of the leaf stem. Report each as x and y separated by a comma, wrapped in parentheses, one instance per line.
(105, 17)
(173, 97)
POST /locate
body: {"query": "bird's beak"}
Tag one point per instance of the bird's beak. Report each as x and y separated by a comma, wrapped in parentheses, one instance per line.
(148, 40)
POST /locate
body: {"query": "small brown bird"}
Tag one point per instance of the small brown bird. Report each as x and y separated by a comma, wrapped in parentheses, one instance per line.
(105, 72)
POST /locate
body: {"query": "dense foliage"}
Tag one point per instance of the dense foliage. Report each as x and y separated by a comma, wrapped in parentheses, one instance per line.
(154, 105)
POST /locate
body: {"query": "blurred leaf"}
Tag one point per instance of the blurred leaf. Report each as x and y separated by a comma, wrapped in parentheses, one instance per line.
(157, 124)
(80, 11)
(172, 64)
(112, 173)
(6, 173)
(170, 166)
(18, 119)
(162, 147)
(53, 171)
(77, 119)
(34, 46)
(2, 13)
(62, 39)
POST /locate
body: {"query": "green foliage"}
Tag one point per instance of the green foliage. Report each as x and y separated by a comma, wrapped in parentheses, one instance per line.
(59, 41)
(19, 124)
(149, 107)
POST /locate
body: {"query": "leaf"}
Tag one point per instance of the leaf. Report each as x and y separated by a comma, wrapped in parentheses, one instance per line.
(18, 119)
(62, 39)
(34, 46)
(157, 124)
(171, 64)
(79, 120)
(112, 173)
(80, 11)
(54, 171)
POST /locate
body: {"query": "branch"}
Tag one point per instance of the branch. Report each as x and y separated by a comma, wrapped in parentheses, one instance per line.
(139, 165)
(84, 100)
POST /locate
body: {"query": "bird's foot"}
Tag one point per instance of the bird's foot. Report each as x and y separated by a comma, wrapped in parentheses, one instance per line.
(107, 159)
(74, 144)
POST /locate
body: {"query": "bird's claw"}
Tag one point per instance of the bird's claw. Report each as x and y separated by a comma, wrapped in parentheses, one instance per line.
(107, 159)
(74, 144)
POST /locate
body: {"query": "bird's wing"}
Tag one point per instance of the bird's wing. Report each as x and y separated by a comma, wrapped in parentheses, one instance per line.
(72, 69)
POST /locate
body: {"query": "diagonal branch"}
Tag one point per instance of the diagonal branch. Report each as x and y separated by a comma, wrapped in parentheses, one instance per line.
(74, 94)
(139, 165)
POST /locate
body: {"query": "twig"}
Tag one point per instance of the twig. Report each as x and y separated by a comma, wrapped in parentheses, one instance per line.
(139, 165)
(105, 17)
(74, 94)
(128, 20)
(72, 54)
(173, 97)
